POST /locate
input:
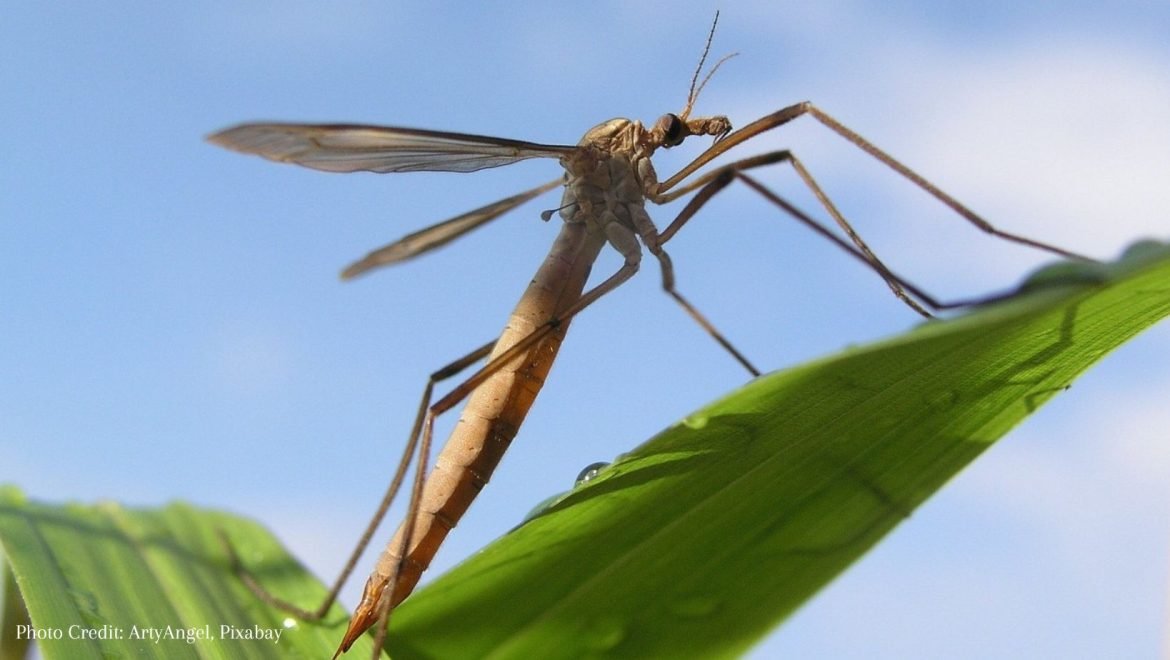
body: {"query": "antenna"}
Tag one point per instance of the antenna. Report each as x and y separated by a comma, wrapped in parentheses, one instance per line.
(694, 92)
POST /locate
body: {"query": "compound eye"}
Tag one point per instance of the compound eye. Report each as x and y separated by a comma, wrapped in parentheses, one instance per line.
(673, 130)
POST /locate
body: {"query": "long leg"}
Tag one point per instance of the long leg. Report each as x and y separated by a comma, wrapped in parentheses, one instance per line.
(809, 221)
(791, 112)
(668, 286)
(712, 182)
(709, 184)
(715, 181)
(408, 453)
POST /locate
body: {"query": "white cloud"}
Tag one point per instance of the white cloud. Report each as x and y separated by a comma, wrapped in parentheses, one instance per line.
(1066, 138)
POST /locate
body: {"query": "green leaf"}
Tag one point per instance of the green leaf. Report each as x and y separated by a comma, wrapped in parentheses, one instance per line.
(695, 544)
(122, 576)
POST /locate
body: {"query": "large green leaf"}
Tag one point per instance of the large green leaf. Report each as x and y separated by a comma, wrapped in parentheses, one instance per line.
(122, 575)
(694, 544)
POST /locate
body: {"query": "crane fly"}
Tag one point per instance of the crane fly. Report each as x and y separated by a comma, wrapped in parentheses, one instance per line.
(608, 178)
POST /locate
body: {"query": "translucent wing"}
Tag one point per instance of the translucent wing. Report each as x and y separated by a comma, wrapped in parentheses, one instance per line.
(354, 148)
(434, 236)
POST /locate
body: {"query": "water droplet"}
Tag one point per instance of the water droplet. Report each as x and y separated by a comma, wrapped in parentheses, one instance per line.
(590, 472)
(289, 622)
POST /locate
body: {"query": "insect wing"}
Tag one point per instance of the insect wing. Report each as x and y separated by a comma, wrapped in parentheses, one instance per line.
(357, 148)
(442, 233)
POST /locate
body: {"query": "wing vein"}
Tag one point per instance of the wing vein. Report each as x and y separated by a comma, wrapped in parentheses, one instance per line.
(382, 149)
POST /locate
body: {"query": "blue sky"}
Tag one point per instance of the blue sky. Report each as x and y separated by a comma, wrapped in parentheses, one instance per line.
(173, 326)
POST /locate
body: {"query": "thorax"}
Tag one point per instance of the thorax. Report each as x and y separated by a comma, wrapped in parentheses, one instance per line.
(609, 174)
